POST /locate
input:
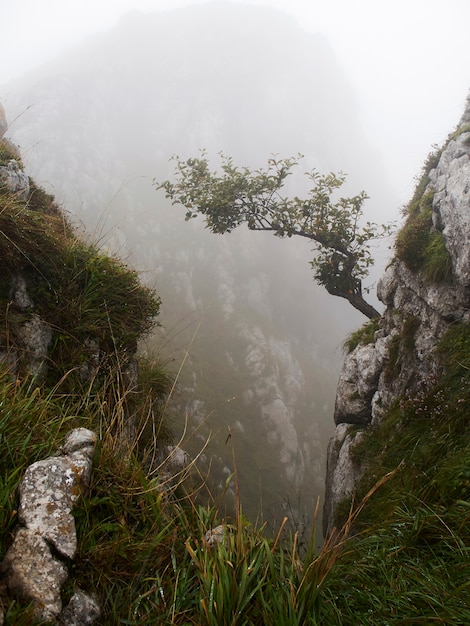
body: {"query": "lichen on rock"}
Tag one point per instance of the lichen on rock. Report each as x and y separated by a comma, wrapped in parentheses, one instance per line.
(35, 566)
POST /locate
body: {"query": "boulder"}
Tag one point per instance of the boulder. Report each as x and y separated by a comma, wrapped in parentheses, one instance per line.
(15, 180)
(35, 566)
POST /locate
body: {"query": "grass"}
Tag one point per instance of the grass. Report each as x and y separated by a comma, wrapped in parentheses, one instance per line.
(400, 556)
(144, 552)
(84, 295)
(362, 336)
(417, 245)
(413, 239)
(7, 152)
(437, 264)
(408, 562)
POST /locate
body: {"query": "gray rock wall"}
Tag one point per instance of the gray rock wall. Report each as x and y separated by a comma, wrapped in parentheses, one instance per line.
(417, 314)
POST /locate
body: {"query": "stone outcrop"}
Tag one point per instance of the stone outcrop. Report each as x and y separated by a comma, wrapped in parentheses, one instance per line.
(15, 180)
(33, 335)
(36, 565)
(417, 313)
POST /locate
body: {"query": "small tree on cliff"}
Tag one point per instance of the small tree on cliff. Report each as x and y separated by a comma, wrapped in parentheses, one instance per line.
(238, 196)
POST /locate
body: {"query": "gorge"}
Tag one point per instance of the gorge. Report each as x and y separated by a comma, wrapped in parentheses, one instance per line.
(254, 344)
(97, 126)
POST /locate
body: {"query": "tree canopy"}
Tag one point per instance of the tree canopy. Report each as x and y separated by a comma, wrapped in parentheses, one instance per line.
(238, 195)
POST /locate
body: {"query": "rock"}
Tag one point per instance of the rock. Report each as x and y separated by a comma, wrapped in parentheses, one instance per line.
(50, 488)
(80, 440)
(90, 367)
(342, 472)
(356, 386)
(35, 336)
(214, 536)
(33, 574)
(35, 565)
(20, 294)
(15, 180)
(418, 312)
(82, 610)
(451, 201)
(168, 464)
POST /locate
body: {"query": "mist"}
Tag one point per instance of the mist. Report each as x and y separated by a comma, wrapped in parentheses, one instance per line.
(256, 343)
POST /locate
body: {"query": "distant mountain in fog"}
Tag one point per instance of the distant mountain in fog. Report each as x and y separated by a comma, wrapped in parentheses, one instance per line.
(104, 119)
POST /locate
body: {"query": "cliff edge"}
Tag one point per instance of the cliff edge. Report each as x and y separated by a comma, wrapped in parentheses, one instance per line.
(426, 292)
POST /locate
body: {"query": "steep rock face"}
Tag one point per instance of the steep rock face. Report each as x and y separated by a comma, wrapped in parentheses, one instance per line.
(419, 309)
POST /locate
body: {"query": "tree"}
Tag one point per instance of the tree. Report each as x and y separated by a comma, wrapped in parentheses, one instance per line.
(238, 196)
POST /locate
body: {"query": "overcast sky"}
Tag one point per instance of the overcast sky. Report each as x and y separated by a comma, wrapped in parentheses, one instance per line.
(407, 60)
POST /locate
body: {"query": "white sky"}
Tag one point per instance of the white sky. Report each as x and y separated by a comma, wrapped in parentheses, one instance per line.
(408, 60)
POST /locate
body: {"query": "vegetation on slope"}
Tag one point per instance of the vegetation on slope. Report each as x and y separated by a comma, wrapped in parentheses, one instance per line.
(143, 550)
(142, 547)
(419, 245)
(409, 562)
(83, 294)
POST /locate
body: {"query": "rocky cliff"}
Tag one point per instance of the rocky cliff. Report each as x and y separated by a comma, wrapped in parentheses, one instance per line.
(425, 290)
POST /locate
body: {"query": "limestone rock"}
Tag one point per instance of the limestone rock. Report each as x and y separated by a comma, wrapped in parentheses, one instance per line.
(35, 336)
(20, 294)
(418, 312)
(342, 473)
(15, 180)
(33, 574)
(80, 440)
(450, 180)
(214, 536)
(357, 384)
(82, 610)
(49, 489)
(168, 465)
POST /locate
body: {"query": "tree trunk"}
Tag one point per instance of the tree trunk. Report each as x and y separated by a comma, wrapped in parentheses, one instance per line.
(361, 305)
(356, 300)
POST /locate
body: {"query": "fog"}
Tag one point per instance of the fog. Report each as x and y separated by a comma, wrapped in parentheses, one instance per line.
(407, 61)
(99, 101)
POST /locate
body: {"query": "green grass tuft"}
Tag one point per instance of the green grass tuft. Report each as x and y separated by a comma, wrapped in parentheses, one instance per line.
(362, 336)
(86, 296)
(437, 265)
(412, 240)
